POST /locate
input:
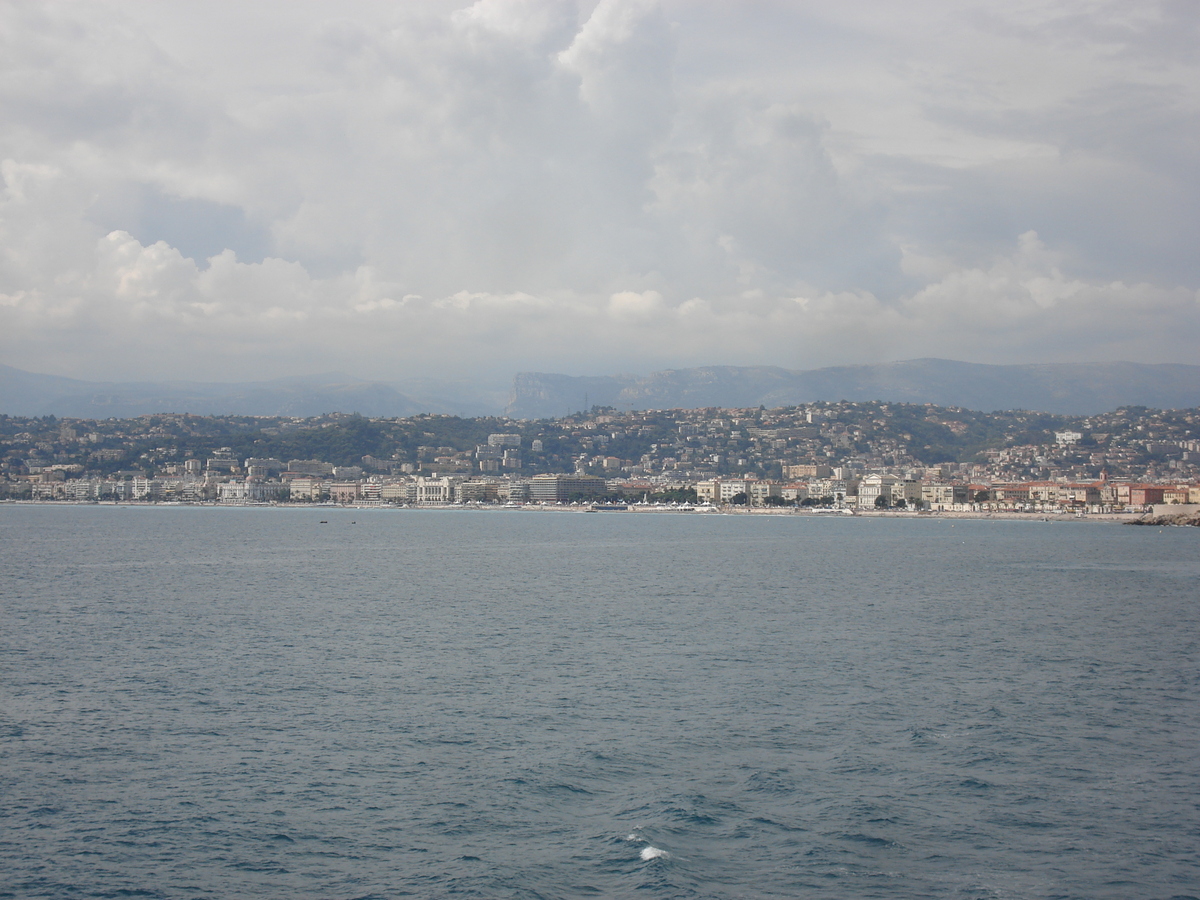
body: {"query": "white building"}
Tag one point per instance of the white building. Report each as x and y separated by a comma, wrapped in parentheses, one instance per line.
(942, 496)
(795, 492)
(759, 491)
(871, 488)
(834, 488)
(557, 488)
(730, 489)
(398, 492)
(306, 488)
(436, 490)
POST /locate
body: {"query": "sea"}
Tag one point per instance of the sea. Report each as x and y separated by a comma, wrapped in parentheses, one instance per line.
(363, 703)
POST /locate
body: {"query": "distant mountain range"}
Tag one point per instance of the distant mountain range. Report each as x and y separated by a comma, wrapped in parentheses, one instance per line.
(1066, 388)
(28, 394)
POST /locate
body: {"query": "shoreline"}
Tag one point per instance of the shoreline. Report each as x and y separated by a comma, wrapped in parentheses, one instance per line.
(1049, 516)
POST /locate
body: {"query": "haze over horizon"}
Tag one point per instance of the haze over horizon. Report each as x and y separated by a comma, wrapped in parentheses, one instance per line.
(224, 191)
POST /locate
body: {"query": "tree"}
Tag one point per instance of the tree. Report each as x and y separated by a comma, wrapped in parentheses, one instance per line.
(739, 499)
(675, 495)
(881, 502)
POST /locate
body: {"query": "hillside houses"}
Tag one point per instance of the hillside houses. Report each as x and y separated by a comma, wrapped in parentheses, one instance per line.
(854, 455)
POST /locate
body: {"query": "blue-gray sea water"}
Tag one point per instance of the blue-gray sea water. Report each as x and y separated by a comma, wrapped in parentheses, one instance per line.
(221, 703)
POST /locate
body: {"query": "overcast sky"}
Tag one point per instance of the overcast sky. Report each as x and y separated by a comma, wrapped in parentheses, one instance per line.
(231, 190)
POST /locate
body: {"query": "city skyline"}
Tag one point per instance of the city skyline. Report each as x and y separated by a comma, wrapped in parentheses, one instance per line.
(868, 455)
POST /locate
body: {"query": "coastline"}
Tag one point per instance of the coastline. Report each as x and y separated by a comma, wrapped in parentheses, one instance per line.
(1050, 516)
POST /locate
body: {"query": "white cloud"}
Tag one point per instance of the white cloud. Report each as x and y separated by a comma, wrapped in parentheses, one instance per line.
(515, 184)
(630, 306)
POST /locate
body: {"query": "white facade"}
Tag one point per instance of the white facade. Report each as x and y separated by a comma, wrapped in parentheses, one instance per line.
(942, 496)
(436, 490)
(871, 488)
(758, 491)
(730, 489)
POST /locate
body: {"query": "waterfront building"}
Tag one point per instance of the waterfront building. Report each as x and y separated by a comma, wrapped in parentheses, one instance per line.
(757, 492)
(232, 492)
(559, 488)
(398, 492)
(478, 492)
(730, 489)
(436, 490)
(828, 487)
(147, 489)
(1145, 494)
(941, 496)
(795, 492)
(344, 491)
(876, 486)
(515, 491)
(305, 488)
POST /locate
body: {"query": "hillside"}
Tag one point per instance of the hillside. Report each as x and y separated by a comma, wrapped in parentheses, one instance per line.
(1063, 389)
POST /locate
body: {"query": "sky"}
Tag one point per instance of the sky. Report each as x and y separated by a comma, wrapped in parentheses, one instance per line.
(226, 191)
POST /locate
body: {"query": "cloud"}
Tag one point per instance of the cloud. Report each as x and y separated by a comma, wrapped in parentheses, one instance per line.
(630, 306)
(232, 190)
(163, 306)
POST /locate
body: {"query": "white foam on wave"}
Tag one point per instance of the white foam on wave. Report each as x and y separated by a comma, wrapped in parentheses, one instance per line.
(649, 853)
(634, 837)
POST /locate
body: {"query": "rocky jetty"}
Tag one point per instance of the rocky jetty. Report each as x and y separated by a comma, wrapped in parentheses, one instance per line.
(1179, 519)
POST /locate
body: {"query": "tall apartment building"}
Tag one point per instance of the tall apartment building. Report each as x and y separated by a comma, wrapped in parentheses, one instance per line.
(557, 488)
